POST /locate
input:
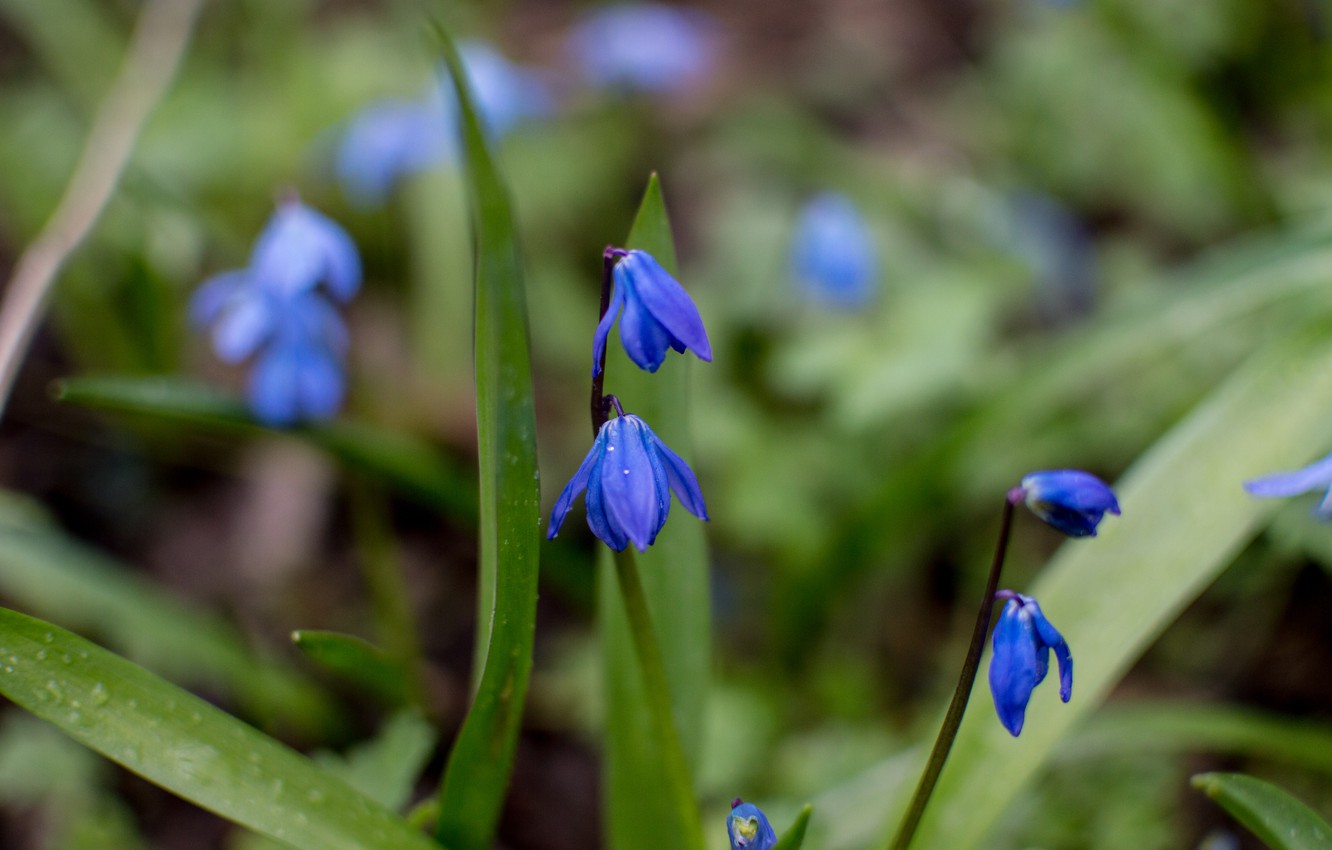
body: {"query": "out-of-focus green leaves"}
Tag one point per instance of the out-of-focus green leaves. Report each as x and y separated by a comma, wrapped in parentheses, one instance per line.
(477, 775)
(1184, 517)
(52, 575)
(186, 745)
(674, 574)
(1278, 819)
(395, 457)
(355, 660)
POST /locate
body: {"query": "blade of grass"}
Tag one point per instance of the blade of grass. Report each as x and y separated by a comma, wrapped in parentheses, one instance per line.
(482, 757)
(186, 745)
(1278, 819)
(794, 837)
(674, 573)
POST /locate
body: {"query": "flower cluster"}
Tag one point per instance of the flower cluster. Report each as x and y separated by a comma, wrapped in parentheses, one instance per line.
(629, 474)
(278, 310)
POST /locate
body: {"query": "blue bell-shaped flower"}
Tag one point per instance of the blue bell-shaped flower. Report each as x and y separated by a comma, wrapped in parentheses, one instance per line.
(748, 827)
(658, 314)
(1070, 500)
(1022, 643)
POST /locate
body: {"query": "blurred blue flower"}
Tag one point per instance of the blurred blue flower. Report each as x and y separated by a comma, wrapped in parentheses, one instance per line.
(277, 310)
(658, 314)
(651, 47)
(391, 139)
(629, 475)
(833, 258)
(748, 827)
(1279, 485)
(1070, 500)
(1022, 643)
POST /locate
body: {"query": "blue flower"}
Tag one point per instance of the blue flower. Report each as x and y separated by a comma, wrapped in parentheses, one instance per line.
(748, 827)
(1279, 485)
(629, 475)
(649, 47)
(391, 139)
(1071, 500)
(277, 310)
(658, 314)
(1022, 643)
(832, 253)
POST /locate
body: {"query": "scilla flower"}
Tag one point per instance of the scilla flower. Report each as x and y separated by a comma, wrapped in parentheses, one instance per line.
(1315, 476)
(277, 310)
(833, 259)
(658, 314)
(648, 47)
(629, 475)
(1022, 643)
(1070, 500)
(748, 827)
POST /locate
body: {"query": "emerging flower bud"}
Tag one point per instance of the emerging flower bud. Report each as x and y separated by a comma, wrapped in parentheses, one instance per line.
(1070, 500)
(749, 828)
(658, 314)
(1022, 643)
(629, 475)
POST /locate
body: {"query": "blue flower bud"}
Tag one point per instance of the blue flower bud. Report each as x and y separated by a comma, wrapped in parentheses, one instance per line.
(1070, 500)
(629, 475)
(649, 47)
(1315, 476)
(658, 314)
(748, 827)
(832, 253)
(1022, 643)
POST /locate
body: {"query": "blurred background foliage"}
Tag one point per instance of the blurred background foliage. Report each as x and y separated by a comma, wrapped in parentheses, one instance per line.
(1087, 215)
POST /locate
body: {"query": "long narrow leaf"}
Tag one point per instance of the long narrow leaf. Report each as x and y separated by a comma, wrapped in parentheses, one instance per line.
(186, 745)
(1278, 819)
(482, 757)
(1184, 518)
(674, 572)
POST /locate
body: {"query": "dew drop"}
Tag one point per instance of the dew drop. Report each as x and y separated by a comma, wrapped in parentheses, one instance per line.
(99, 695)
(315, 796)
(49, 637)
(40, 655)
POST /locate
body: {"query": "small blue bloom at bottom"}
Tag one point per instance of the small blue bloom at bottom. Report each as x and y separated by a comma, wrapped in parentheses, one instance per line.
(748, 827)
(1279, 485)
(629, 475)
(1070, 500)
(1022, 643)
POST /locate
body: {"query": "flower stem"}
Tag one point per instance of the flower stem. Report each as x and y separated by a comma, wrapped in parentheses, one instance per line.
(600, 409)
(965, 680)
(658, 696)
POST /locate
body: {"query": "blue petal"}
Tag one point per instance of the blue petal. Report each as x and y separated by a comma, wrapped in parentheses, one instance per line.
(645, 340)
(1065, 659)
(599, 519)
(644, 46)
(300, 248)
(747, 817)
(1014, 667)
(273, 388)
(387, 141)
(630, 482)
(666, 300)
(246, 322)
(833, 255)
(682, 479)
(506, 94)
(604, 326)
(213, 294)
(1315, 476)
(319, 385)
(1071, 500)
(576, 485)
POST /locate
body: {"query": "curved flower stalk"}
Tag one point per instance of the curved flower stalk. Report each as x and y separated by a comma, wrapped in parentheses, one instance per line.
(833, 259)
(646, 47)
(629, 475)
(655, 314)
(748, 827)
(278, 311)
(1022, 643)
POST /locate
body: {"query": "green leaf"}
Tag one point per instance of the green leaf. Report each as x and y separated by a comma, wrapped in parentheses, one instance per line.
(62, 580)
(794, 837)
(1279, 820)
(401, 460)
(186, 745)
(482, 757)
(386, 768)
(1185, 517)
(674, 573)
(356, 660)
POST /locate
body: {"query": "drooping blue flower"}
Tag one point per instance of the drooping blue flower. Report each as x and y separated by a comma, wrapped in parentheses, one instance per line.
(649, 47)
(1022, 643)
(391, 139)
(1279, 485)
(629, 475)
(658, 314)
(833, 259)
(748, 827)
(277, 311)
(1070, 500)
